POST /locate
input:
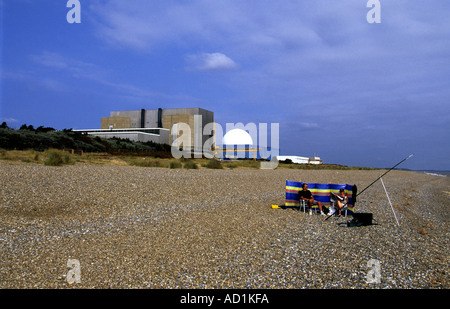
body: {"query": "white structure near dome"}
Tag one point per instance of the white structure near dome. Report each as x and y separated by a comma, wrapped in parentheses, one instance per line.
(300, 160)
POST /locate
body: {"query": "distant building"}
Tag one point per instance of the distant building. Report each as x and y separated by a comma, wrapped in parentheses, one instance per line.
(300, 160)
(154, 125)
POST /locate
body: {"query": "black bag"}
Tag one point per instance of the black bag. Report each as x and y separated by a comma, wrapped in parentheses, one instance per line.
(360, 219)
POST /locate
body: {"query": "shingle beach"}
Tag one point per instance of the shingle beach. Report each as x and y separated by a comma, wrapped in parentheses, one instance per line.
(138, 227)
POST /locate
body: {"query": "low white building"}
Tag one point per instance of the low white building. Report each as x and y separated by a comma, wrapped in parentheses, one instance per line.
(300, 160)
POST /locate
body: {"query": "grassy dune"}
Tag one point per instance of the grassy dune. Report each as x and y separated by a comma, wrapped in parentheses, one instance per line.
(62, 157)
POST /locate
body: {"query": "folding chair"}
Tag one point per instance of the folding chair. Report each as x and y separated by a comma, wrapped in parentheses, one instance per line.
(336, 209)
(293, 197)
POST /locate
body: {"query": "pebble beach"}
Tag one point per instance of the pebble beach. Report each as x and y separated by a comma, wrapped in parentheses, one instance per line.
(141, 227)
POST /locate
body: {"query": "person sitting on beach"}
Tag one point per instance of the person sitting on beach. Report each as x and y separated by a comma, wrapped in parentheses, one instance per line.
(340, 199)
(306, 195)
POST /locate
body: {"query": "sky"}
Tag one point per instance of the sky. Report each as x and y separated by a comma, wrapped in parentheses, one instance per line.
(350, 91)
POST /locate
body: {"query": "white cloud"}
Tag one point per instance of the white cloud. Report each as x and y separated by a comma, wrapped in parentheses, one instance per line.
(78, 69)
(59, 62)
(50, 59)
(9, 120)
(211, 61)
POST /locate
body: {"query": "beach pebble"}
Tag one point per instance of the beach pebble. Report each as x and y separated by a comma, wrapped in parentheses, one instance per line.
(137, 227)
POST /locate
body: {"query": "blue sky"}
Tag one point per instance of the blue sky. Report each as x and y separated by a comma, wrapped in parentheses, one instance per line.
(353, 92)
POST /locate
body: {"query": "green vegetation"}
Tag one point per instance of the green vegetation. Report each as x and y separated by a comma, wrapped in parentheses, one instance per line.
(57, 158)
(146, 162)
(43, 138)
(214, 164)
(54, 159)
(175, 164)
(190, 165)
(54, 148)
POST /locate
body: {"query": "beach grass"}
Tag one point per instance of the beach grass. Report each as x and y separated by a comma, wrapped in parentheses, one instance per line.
(63, 157)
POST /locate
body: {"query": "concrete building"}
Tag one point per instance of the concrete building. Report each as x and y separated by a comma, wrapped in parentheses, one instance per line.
(155, 125)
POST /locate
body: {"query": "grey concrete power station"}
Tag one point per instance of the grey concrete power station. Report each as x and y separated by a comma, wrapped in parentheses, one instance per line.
(153, 125)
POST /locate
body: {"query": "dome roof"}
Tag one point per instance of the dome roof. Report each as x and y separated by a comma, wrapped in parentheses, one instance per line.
(237, 137)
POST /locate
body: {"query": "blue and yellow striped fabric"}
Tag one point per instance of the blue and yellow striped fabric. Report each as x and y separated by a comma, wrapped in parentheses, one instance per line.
(321, 192)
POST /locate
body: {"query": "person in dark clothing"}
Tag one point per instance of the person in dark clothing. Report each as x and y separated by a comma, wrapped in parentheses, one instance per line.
(306, 195)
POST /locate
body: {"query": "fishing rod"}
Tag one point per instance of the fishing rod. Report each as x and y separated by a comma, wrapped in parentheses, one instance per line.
(377, 179)
(385, 174)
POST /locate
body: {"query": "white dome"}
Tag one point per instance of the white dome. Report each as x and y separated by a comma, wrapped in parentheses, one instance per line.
(237, 137)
